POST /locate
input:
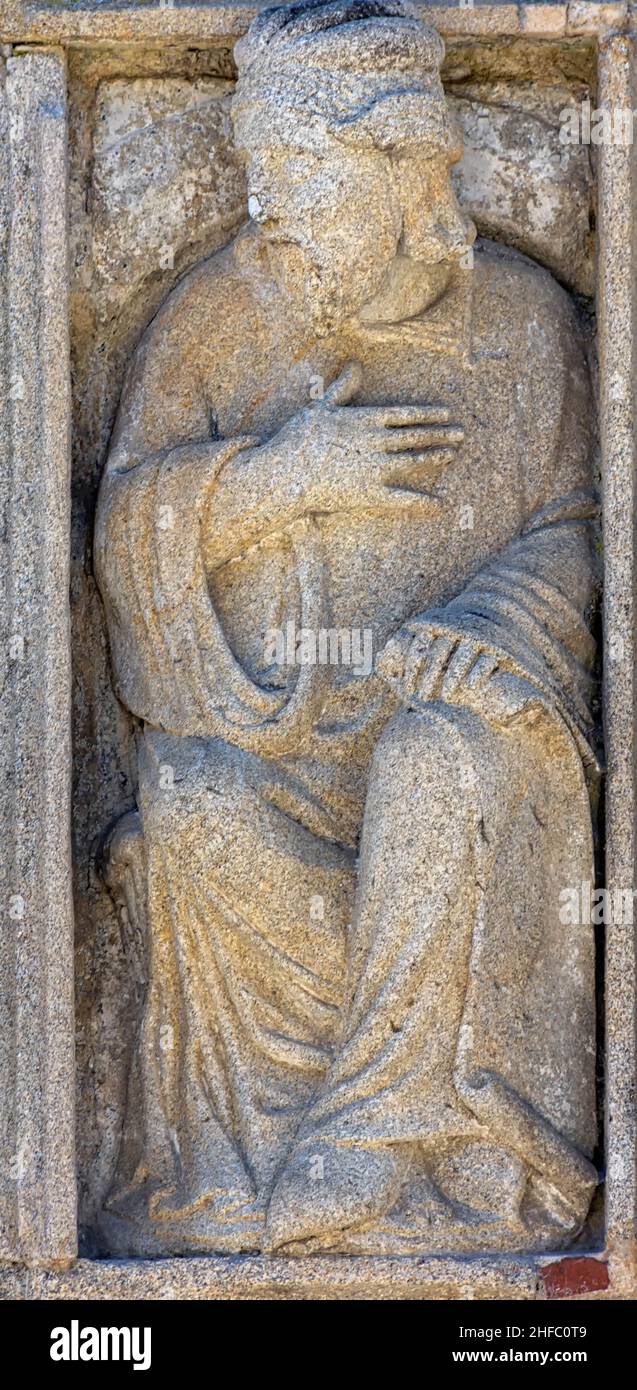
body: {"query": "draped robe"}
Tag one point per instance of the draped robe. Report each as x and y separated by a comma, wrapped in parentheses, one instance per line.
(352, 904)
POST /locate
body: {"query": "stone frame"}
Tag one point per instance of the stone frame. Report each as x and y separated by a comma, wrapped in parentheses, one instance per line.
(38, 1235)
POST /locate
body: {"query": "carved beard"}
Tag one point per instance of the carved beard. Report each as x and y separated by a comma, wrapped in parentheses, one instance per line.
(408, 288)
(326, 296)
(320, 285)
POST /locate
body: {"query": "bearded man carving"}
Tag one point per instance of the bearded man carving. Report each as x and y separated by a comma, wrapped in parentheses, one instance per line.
(366, 1027)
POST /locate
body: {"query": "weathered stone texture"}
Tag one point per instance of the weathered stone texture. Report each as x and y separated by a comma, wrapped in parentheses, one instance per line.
(137, 225)
(164, 175)
(133, 233)
(155, 188)
(618, 417)
(432, 1078)
(37, 976)
(526, 188)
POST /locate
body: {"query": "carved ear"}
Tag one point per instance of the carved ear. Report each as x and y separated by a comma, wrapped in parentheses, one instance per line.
(401, 118)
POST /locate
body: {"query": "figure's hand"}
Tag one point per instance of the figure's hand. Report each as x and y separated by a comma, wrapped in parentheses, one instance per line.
(367, 458)
(434, 668)
(331, 457)
(457, 671)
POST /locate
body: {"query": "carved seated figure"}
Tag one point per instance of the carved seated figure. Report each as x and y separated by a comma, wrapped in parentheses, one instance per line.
(367, 1028)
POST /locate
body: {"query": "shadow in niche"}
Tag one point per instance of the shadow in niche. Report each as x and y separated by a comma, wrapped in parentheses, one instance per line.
(592, 1237)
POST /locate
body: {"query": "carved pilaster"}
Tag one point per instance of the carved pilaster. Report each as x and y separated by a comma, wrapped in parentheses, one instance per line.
(36, 970)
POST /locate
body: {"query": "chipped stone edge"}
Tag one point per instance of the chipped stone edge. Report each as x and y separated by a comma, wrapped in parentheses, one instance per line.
(219, 22)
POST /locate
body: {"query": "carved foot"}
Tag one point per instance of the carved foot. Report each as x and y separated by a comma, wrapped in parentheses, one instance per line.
(327, 1189)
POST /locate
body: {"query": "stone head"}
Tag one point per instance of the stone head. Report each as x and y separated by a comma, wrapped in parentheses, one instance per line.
(340, 114)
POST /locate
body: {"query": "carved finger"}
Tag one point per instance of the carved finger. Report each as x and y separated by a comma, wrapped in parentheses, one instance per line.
(397, 440)
(433, 667)
(391, 661)
(347, 383)
(461, 663)
(484, 668)
(419, 468)
(414, 662)
(404, 416)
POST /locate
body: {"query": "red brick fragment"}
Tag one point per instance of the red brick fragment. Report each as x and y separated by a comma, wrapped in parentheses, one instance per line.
(575, 1274)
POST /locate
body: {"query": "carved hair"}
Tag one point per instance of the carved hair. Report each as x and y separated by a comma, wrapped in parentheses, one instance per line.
(364, 71)
(275, 30)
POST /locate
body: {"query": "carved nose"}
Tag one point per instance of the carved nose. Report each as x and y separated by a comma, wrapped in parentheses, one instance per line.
(450, 233)
(455, 235)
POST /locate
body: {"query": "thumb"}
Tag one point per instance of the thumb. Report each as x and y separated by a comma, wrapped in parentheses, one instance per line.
(345, 386)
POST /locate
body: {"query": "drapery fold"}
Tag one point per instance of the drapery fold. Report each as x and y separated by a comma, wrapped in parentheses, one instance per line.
(531, 608)
(173, 665)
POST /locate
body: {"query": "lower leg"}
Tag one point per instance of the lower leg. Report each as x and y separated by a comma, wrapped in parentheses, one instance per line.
(391, 1083)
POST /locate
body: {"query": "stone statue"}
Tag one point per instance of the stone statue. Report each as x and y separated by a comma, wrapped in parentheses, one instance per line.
(367, 1028)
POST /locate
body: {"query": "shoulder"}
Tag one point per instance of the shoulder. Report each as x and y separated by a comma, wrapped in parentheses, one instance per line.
(522, 302)
(526, 321)
(194, 350)
(202, 314)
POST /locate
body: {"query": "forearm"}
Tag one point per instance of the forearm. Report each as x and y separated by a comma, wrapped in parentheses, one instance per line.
(189, 472)
(257, 493)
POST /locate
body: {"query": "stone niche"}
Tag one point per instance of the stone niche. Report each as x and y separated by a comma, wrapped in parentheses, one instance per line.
(118, 174)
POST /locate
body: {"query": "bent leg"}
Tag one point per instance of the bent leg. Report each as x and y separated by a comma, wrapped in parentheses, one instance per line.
(247, 918)
(438, 919)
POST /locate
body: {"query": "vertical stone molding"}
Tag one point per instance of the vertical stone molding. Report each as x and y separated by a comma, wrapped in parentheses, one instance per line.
(38, 1196)
(617, 89)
